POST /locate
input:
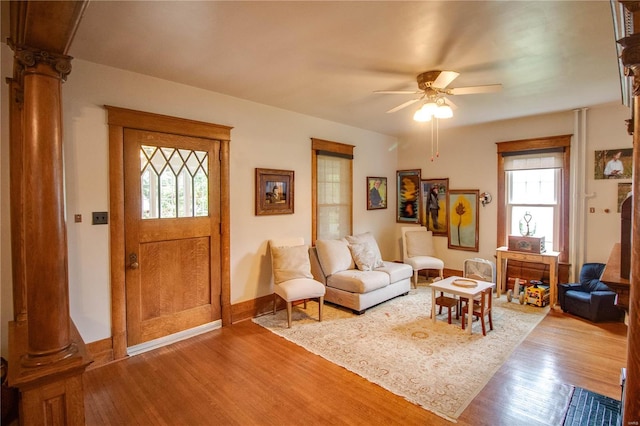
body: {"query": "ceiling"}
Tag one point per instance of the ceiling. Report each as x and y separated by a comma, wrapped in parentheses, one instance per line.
(325, 59)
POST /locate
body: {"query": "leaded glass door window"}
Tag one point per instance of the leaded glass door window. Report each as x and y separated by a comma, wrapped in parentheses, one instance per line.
(174, 182)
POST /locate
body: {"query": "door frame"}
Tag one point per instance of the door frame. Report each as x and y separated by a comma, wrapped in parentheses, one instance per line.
(118, 120)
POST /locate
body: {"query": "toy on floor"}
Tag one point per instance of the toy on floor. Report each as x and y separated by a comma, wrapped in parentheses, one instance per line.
(538, 294)
(516, 292)
(532, 292)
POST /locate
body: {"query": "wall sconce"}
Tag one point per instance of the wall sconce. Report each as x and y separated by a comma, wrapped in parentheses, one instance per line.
(485, 198)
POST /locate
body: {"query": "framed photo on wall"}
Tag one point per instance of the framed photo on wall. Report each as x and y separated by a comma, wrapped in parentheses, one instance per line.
(463, 219)
(408, 196)
(274, 192)
(613, 164)
(376, 193)
(434, 212)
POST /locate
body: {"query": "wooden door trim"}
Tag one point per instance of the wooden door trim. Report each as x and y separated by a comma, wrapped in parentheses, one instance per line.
(118, 120)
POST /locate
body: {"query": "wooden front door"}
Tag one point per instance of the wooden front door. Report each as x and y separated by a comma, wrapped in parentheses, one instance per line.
(172, 233)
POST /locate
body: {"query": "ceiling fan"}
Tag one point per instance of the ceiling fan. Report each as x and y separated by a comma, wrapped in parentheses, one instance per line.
(433, 88)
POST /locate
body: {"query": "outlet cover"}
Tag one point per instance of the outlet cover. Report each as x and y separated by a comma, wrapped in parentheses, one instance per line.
(100, 218)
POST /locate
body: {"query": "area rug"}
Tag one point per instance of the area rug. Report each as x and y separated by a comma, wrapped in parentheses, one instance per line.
(588, 408)
(397, 346)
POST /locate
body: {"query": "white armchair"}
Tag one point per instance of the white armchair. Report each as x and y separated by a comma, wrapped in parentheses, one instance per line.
(417, 251)
(292, 277)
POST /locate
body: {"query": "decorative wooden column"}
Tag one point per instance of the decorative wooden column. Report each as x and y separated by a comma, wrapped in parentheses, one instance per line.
(45, 260)
(47, 356)
(17, 224)
(631, 59)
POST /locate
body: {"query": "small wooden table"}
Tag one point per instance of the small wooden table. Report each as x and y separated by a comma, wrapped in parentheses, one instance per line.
(548, 258)
(447, 286)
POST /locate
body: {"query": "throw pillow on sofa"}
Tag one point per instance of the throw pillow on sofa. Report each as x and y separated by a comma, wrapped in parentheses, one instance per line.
(290, 263)
(363, 256)
(369, 240)
(334, 256)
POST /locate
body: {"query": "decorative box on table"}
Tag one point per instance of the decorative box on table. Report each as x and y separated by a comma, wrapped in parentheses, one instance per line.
(526, 244)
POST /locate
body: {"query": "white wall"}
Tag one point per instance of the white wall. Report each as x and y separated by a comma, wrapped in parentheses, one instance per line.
(262, 137)
(606, 130)
(468, 158)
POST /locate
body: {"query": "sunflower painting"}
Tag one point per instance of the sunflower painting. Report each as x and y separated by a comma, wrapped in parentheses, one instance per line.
(463, 219)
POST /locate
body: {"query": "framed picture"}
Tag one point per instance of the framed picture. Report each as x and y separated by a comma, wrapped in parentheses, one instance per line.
(434, 195)
(376, 193)
(624, 190)
(463, 219)
(613, 164)
(274, 192)
(408, 196)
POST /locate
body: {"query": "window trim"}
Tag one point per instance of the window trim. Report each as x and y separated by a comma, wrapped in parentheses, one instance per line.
(527, 146)
(325, 147)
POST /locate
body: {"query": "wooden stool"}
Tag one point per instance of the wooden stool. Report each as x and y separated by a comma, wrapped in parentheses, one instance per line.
(449, 303)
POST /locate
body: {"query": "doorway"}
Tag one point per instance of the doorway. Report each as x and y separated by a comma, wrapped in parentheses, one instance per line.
(169, 225)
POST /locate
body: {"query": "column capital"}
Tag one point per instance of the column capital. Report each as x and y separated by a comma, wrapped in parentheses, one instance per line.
(29, 57)
(631, 6)
(630, 58)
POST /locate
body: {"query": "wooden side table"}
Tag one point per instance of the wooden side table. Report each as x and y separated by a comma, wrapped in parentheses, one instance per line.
(503, 254)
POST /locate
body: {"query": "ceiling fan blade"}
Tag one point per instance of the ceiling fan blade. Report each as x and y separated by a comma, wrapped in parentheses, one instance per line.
(397, 92)
(444, 79)
(404, 105)
(489, 88)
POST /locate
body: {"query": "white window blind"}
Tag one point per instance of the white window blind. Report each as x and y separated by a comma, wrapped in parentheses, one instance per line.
(542, 160)
(333, 197)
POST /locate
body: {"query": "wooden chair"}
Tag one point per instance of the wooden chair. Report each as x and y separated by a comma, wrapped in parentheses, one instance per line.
(449, 303)
(480, 308)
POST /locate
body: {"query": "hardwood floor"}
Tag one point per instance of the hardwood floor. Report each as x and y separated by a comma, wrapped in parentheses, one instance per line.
(245, 375)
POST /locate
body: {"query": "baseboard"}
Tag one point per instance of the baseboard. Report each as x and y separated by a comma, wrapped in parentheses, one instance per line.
(101, 351)
(254, 307)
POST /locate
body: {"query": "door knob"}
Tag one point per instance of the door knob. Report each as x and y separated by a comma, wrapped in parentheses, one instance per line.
(133, 261)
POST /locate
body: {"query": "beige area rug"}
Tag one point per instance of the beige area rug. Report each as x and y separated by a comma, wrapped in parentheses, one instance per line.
(397, 346)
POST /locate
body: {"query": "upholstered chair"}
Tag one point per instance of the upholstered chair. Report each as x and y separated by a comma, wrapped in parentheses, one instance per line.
(590, 298)
(417, 251)
(292, 277)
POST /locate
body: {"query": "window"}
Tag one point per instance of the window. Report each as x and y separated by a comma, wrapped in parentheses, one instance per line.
(533, 176)
(533, 189)
(332, 189)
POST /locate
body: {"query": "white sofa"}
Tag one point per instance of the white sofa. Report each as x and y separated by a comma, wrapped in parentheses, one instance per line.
(354, 273)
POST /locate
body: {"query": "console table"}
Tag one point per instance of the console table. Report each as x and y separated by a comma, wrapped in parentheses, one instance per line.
(503, 254)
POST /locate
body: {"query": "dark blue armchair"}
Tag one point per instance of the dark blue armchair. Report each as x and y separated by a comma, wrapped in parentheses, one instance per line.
(590, 298)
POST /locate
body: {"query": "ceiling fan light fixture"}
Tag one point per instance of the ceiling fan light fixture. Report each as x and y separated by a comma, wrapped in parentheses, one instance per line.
(444, 111)
(422, 115)
(430, 108)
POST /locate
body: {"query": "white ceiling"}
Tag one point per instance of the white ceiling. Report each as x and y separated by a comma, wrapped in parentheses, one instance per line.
(325, 59)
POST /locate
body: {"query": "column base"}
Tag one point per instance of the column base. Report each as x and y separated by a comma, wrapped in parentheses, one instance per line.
(51, 390)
